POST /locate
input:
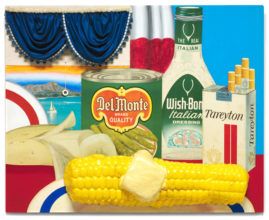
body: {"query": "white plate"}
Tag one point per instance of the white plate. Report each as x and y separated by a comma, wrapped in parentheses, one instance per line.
(54, 199)
(22, 108)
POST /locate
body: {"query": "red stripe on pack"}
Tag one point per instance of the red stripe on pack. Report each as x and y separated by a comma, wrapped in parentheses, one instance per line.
(233, 144)
(227, 142)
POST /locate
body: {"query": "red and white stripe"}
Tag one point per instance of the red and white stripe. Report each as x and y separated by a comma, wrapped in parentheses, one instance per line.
(152, 43)
(230, 144)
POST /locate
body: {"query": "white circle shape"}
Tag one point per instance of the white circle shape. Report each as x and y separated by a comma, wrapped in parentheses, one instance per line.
(15, 115)
(61, 205)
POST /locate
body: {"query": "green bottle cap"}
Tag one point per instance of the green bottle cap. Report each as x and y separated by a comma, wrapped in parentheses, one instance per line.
(189, 11)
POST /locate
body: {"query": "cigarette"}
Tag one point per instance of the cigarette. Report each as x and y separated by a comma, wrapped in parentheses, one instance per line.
(231, 81)
(245, 62)
(245, 73)
(245, 80)
(238, 78)
(252, 79)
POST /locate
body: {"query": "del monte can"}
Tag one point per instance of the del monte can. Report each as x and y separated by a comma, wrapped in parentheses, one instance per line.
(124, 104)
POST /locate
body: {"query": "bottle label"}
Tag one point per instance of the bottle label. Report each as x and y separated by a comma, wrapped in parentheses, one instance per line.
(182, 114)
(188, 32)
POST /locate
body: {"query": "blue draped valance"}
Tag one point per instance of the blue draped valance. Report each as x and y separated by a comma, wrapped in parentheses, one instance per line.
(40, 37)
(94, 37)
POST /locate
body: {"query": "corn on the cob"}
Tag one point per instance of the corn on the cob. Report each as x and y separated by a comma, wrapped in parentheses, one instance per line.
(96, 179)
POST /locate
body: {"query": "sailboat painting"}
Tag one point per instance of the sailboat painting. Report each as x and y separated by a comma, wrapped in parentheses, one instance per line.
(52, 109)
(52, 113)
(58, 93)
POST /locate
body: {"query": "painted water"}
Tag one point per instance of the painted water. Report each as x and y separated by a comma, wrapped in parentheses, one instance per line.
(58, 108)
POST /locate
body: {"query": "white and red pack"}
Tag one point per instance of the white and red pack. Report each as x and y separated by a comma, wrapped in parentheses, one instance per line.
(229, 127)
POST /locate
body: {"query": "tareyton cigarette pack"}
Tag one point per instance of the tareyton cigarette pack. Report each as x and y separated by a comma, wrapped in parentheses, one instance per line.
(229, 127)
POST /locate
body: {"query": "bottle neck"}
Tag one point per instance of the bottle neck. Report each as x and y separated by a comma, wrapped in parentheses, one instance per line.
(188, 36)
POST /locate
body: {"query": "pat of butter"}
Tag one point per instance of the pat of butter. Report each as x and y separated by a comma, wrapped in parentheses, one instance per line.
(144, 178)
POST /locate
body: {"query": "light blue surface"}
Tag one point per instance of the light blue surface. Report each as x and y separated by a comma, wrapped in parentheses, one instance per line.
(63, 106)
(230, 33)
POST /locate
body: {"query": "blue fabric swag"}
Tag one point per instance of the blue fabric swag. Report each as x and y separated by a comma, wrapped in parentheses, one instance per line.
(94, 37)
(38, 36)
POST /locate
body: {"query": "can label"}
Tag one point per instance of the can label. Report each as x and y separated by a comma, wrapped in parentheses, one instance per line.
(130, 113)
(121, 108)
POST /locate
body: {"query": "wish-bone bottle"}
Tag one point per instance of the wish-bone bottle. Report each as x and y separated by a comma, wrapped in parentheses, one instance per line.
(182, 87)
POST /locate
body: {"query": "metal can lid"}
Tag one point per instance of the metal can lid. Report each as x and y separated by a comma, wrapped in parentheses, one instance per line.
(122, 76)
